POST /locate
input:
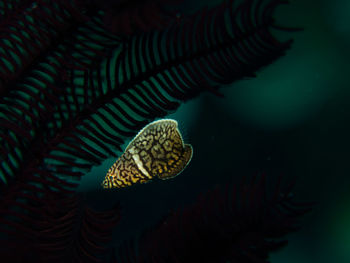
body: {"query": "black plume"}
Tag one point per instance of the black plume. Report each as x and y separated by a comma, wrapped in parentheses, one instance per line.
(56, 229)
(72, 92)
(243, 223)
(149, 75)
(127, 17)
(61, 127)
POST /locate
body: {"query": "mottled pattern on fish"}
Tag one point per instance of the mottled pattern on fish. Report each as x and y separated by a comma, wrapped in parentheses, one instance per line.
(157, 150)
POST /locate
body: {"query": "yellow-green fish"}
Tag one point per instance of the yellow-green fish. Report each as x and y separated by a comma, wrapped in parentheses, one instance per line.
(157, 150)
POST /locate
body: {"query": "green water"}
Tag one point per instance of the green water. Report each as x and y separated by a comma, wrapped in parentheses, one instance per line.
(291, 119)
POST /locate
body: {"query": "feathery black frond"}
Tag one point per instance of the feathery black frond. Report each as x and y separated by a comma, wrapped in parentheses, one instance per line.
(85, 119)
(128, 17)
(71, 93)
(62, 230)
(32, 98)
(241, 224)
(151, 74)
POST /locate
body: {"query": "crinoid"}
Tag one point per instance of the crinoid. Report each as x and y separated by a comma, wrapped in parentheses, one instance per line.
(72, 92)
(241, 223)
(127, 17)
(55, 228)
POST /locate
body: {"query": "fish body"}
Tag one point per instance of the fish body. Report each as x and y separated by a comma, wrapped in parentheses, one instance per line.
(158, 150)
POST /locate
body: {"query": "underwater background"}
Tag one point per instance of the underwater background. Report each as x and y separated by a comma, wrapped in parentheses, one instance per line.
(292, 119)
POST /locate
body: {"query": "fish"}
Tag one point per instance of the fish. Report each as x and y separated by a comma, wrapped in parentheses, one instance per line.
(158, 150)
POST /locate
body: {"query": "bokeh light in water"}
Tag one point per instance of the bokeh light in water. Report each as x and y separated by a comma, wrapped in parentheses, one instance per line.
(285, 94)
(295, 87)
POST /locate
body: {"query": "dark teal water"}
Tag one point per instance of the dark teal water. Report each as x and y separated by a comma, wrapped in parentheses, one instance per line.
(292, 119)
